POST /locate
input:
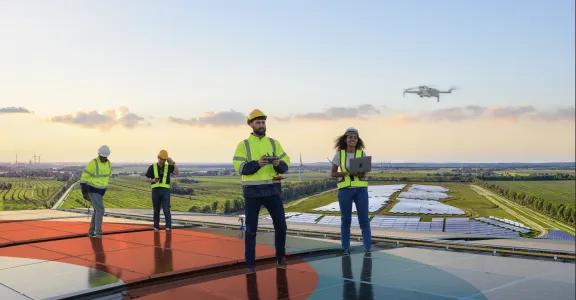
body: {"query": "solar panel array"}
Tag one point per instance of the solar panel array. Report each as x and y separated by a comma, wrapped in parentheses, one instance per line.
(453, 225)
(429, 188)
(336, 220)
(555, 234)
(425, 192)
(423, 195)
(507, 221)
(471, 226)
(504, 225)
(287, 215)
(414, 206)
(477, 226)
(407, 223)
(378, 196)
(304, 218)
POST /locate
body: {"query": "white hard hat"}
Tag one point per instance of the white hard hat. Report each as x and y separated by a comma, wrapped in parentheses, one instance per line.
(351, 130)
(104, 151)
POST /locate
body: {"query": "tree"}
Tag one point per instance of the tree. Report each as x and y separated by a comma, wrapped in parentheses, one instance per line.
(206, 209)
(227, 207)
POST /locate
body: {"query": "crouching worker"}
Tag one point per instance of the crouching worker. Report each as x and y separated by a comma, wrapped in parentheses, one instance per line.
(93, 183)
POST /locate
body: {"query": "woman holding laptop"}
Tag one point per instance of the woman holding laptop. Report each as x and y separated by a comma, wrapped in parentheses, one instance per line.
(352, 186)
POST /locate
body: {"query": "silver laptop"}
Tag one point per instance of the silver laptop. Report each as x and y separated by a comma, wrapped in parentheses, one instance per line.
(361, 164)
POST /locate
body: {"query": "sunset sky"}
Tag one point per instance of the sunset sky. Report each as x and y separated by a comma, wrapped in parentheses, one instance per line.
(145, 75)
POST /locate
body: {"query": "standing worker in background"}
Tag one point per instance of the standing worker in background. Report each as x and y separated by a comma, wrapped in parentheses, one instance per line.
(259, 159)
(93, 183)
(352, 188)
(159, 175)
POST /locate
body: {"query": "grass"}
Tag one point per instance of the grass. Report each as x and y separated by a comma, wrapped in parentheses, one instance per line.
(532, 218)
(557, 191)
(308, 204)
(462, 196)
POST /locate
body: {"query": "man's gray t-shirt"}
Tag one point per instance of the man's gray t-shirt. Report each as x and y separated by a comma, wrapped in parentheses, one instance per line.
(349, 156)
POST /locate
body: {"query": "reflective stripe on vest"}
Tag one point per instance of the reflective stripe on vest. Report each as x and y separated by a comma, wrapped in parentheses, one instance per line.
(350, 181)
(98, 175)
(93, 177)
(162, 184)
(266, 174)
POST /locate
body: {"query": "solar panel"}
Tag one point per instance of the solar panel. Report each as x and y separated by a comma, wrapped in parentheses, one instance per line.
(304, 218)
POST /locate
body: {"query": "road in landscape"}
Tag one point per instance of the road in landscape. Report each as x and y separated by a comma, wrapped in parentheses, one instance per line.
(529, 217)
(64, 196)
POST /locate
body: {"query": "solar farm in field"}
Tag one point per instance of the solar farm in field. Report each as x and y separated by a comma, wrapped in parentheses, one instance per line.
(415, 206)
(378, 196)
(424, 199)
(477, 226)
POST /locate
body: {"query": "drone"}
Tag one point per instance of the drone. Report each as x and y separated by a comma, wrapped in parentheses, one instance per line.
(426, 91)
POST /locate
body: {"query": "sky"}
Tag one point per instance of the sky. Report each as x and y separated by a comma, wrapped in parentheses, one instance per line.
(142, 76)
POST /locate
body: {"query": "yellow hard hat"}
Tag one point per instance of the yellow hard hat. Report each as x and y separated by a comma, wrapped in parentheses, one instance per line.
(255, 114)
(163, 154)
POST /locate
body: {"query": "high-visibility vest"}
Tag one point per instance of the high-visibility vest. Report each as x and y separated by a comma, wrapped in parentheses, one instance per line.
(97, 174)
(350, 181)
(253, 148)
(162, 183)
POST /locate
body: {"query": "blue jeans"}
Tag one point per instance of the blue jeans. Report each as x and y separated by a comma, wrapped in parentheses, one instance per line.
(98, 215)
(161, 199)
(360, 198)
(252, 210)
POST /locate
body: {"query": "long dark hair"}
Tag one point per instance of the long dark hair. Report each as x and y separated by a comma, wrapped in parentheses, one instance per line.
(341, 143)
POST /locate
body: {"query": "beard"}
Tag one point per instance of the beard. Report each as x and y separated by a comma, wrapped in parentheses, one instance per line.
(260, 131)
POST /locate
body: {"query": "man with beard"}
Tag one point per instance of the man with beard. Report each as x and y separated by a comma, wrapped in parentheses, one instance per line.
(260, 160)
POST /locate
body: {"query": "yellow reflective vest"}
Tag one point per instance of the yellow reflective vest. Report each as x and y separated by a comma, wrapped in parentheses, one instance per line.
(97, 174)
(162, 183)
(350, 181)
(252, 149)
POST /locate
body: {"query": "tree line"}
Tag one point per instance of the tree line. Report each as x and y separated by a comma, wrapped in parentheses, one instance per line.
(290, 191)
(560, 212)
(5, 185)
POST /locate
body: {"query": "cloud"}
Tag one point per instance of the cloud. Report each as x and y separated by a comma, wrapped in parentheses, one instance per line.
(475, 112)
(106, 120)
(511, 112)
(560, 114)
(336, 113)
(217, 119)
(14, 110)
(455, 113)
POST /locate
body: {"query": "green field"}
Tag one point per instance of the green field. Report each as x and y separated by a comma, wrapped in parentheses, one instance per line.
(475, 205)
(28, 193)
(461, 196)
(308, 204)
(558, 191)
(134, 192)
